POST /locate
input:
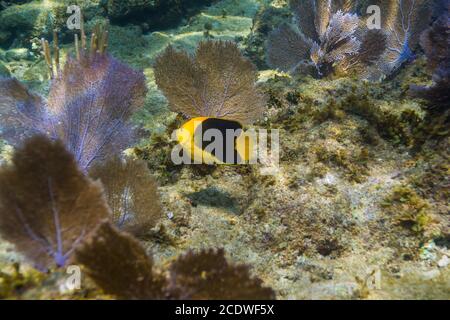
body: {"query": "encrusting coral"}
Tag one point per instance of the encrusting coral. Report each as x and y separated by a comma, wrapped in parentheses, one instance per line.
(128, 272)
(217, 82)
(131, 192)
(47, 205)
(89, 106)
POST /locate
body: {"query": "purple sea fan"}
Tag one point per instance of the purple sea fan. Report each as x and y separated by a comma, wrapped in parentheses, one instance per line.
(89, 107)
(327, 35)
(402, 22)
(22, 114)
(435, 41)
(47, 205)
(92, 102)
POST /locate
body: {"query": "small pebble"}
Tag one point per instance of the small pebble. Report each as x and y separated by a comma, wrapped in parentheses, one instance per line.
(443, 262)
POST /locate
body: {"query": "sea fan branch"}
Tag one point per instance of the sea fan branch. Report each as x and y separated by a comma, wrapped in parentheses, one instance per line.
(217, 82)
(56, 206)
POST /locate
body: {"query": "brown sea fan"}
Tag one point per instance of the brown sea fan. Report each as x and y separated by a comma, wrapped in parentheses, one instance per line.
(47, 205)
(217, 82)
(208, 275)
(131, 193)
(288, 49)
(435, 41)
(119, 265)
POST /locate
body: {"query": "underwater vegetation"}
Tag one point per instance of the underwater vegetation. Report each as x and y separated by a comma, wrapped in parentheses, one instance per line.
(217, 82)
(90, 103)
(435, 41)
(69, 215)
(335, 39)
(131, 193)
(87, 176)
(128, 272)
(47, 204)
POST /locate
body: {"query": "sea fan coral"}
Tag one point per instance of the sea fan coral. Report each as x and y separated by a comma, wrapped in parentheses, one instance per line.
(92, 102)
(208, 275)
(327, 34)
(120, 266)
(337, 42)
(47, 205)
(131, 193)
(217, 82)
(22, 114)
(403, 21)
(435, 41)
(89, 105)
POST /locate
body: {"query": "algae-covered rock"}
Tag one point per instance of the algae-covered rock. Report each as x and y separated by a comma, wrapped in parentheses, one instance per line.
(18, 54)
(4, 36)
(21, 16)
(154, 13)
(4, 72)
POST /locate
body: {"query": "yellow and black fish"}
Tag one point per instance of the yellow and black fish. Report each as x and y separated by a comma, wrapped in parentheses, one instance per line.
(199, 138)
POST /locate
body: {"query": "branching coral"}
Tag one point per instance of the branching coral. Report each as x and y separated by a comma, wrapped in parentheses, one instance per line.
(90, 102)
(217, 82)
(127, 272)
(47, 205)
(327, 34)
(131, 193)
